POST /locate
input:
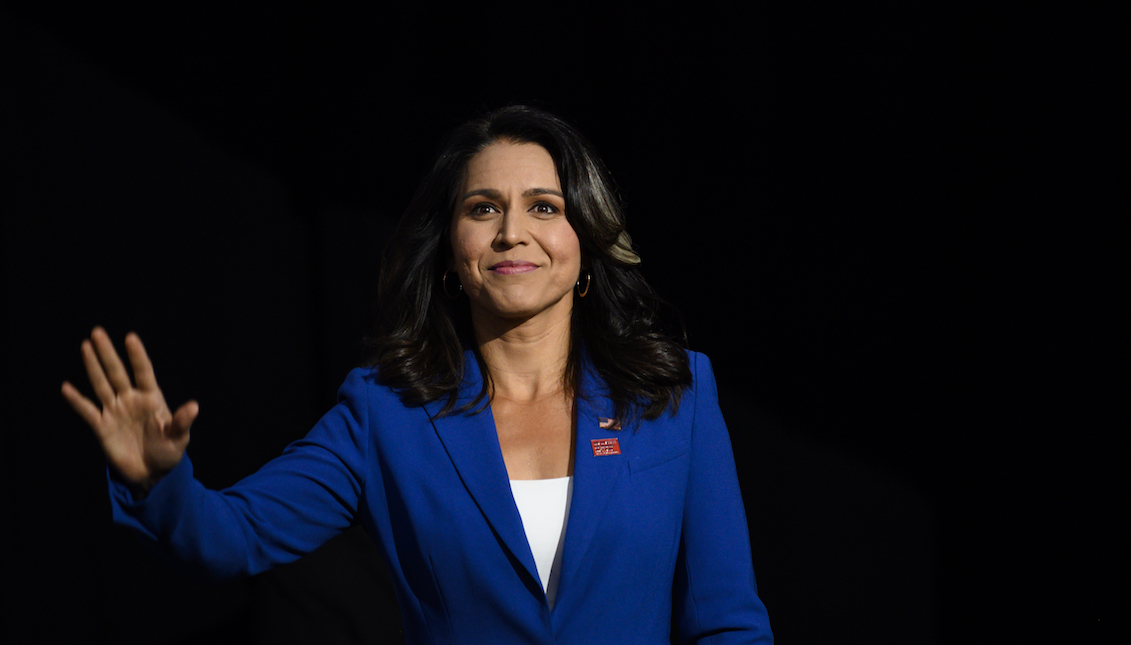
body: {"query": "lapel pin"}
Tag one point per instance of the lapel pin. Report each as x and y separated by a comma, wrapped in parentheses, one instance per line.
(608, 424)
(604, 447)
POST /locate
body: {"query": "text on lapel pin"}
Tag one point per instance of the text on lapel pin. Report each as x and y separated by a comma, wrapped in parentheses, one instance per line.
(603, 447)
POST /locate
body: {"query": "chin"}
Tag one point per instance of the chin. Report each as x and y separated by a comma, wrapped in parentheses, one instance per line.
(516, 313)
(522, 311)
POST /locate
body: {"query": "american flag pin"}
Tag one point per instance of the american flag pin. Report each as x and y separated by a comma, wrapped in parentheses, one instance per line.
(604, 447)
(608, 424)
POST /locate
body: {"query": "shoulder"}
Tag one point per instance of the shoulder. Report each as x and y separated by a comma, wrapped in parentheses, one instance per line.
(702, 372)
(362, 381)
(701, 400)
(364, 391)
(697, 360)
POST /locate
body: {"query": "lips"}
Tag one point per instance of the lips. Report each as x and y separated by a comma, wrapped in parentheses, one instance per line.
(511, 267)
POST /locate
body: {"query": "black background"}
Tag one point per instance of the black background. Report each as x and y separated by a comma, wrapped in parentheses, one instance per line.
(883, 223)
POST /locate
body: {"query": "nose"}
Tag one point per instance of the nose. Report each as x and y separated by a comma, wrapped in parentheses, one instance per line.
(512, 230)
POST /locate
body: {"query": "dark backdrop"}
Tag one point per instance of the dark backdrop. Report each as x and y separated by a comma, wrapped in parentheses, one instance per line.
(853, 219)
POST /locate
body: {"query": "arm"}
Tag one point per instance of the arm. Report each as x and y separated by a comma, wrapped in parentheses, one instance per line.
(715, 597)
(290, 507)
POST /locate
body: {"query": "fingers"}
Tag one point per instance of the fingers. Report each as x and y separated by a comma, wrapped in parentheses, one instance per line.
(84, 406)
(115, 370)
(102, 388)
(183, 419)
(139, 361)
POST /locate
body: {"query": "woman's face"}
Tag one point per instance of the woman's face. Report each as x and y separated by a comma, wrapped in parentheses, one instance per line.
(514, 250)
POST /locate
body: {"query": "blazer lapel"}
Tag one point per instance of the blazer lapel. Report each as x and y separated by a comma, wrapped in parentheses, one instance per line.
(472, 443)
(594, 475)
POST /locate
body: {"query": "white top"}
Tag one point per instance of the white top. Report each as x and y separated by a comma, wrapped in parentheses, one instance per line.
(544, 507)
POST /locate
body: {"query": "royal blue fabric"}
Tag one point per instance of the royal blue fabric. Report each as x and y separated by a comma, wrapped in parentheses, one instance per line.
(655, 532)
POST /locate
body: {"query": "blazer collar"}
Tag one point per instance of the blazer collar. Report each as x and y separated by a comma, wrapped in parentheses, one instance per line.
(472, 444)
(595, 470)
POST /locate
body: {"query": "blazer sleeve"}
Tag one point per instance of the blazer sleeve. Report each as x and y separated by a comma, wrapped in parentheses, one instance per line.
(715, 598)
(290, 507)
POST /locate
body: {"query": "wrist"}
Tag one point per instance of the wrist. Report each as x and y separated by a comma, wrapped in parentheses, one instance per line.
(139, 488)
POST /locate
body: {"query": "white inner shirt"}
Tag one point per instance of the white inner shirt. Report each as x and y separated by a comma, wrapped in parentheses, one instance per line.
(544, 507)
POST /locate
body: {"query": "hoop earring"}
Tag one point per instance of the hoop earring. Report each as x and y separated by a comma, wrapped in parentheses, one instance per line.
(444, 286)
(588, 281)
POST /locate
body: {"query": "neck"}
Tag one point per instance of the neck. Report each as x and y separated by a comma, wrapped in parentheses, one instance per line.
(527, 360)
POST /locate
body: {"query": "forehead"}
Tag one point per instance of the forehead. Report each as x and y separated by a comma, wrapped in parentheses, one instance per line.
(506, 163)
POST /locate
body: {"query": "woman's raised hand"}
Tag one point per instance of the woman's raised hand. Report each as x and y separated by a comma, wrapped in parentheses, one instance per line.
(142, 439)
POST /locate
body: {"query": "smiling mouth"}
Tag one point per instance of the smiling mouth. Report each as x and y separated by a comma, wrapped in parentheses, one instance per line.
(510, 267)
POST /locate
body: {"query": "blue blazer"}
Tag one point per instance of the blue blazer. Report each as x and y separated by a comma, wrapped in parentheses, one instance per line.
(656, 536)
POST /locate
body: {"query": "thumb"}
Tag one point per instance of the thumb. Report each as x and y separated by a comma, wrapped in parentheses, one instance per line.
(183, 419)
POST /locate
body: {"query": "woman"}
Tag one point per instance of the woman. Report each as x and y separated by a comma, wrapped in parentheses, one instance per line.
(516, 344)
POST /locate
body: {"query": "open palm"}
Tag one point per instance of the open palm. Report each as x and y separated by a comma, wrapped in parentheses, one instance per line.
(142, 439)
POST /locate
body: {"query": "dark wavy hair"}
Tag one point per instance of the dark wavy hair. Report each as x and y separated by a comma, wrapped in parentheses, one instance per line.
(624, 330)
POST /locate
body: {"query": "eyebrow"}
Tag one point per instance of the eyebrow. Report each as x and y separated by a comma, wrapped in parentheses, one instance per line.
(491, 193)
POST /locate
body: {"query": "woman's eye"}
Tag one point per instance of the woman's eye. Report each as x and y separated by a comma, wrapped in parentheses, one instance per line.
(483, 209)
(545, 208)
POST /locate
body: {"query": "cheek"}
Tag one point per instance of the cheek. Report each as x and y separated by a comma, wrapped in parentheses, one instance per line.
(461, 248)
(467, 251)
(567, 247)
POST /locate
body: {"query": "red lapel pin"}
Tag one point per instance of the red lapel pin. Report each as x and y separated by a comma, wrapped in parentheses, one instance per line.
(604, 447)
